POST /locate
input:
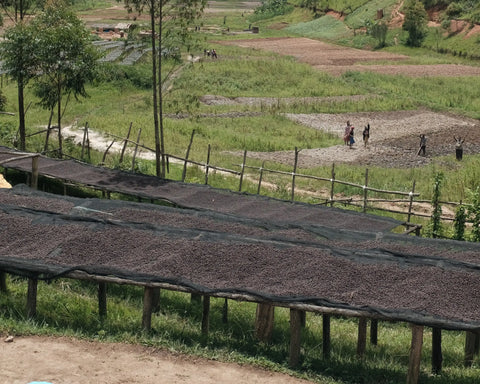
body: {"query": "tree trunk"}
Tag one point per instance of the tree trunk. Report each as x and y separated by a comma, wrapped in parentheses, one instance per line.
(161, 142)
(59, 120)
(21, 114)
(155, 88)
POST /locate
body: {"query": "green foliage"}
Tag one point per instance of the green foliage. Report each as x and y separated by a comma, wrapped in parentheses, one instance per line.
(379, 32)
(64, 54)
(459, 223)
(475, 214)
(435, 229)
(415, 22)
(3, 101)
(139, 76)
(271, 8)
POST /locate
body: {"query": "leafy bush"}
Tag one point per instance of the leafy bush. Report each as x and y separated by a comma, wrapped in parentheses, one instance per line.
(415, 23)
(454, 10)
(271, 8)
(379, 32)
(139, 76)
(3, 101)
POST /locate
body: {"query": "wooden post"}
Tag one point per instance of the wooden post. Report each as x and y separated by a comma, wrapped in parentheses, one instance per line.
(365, 192)
(374, 332)
(295, 337)
(326, 345)
(136, 149)
(470, 341)
(437, 357)
(3, 282)
(106, 151)
(264, 320)
(206, 315)
(184, 173)
(242, 172)
(32, 298)
(415, 354)
(125, 143)
(147, 308)
(156, 300)
(294, 173)
(34, 181)
(225, 312)
(410, 206)
(332, 180)
(362, 337)
(85, 130)
(207, 166)
(49, 127)
(88, 146)
(260, 178)
(102, 300)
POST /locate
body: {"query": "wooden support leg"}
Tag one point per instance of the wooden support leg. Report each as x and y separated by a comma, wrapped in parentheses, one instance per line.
(374, 332)
(295, 336)
(326, 336)
(32, 298)
(470, 341)
(303, 318)
(102, 300)
(362, 337)
(3, 282)
(156, 300)
(147, 308)
(264, 321)
(225, 312)
(415, 354)
(206, 315)
(437, 357)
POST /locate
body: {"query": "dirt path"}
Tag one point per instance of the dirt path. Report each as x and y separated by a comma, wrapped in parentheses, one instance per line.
(71, 361)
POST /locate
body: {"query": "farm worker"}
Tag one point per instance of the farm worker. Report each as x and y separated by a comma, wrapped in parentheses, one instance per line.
(423, 144)
(366, 134)
(352, 141)
(458, 147)
(346, 133)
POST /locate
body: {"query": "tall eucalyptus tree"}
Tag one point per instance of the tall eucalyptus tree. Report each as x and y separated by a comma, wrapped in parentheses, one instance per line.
(169, 23)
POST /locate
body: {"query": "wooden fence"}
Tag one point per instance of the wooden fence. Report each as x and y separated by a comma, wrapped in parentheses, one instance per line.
(406, 204)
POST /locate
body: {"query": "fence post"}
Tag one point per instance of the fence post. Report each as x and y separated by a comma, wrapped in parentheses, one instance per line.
(207, 166)
(85, 130)
(410, 206)
(365, 191)
(260, 178)
(34, 181)
(136, 148)
(49, 127)
(332, 179)
(184, 173)
(294, 172)
(106, 151)
(243, 170)
(125, 143)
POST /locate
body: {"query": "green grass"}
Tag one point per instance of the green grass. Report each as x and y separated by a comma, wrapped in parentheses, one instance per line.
(67, 307)
(326, 27)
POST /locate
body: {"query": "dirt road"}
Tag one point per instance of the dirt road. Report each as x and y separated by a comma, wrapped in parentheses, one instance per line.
(71, 361)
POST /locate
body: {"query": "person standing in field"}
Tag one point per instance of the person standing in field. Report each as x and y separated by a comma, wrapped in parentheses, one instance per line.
(351, 136)
(346, 133)
(423, 144)
(366, 134)
(459, 147)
